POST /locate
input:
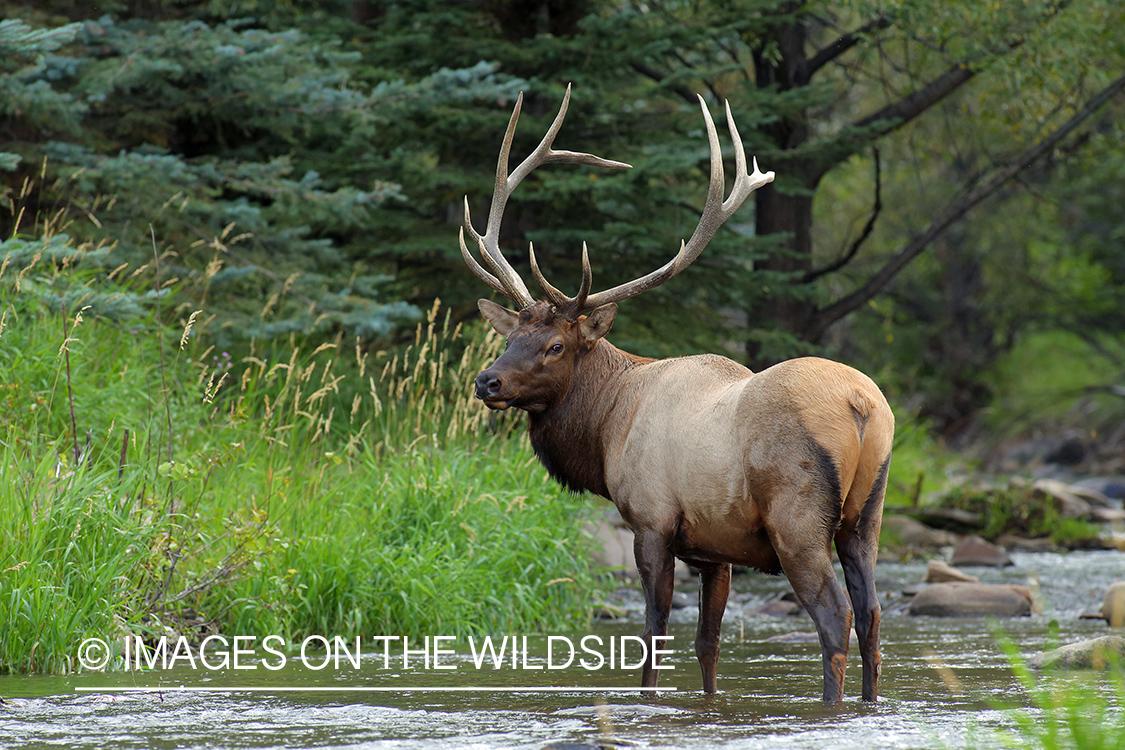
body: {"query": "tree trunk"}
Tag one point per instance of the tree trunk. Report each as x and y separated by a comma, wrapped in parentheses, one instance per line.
(784, 208)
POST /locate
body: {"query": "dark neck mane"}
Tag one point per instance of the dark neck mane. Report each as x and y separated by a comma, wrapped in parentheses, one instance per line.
(568, 436)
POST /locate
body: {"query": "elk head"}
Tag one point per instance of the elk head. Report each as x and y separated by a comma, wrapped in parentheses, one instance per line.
(546, 339)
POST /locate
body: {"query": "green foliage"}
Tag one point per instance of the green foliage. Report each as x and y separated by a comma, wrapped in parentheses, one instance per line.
(1077, 711)
(1062, 378)
(921, 465)
(1019, 509)
(315, 155)
(449, 541)
(67, 569)
(234, 152)
(154, 481)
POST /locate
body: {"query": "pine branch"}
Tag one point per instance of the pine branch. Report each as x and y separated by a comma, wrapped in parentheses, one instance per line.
(651, 72)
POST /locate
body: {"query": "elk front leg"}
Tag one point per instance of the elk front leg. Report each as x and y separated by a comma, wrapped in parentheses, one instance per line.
(714, 587)
(657, 567)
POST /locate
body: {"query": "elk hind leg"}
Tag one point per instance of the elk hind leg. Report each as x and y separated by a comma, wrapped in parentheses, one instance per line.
(808, 566)
(857, 544)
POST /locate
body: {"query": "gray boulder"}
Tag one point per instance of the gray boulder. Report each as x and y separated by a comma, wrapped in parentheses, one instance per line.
(1094, 653)
(1113, 606)
(781, 608)
(614, 547)
(971, 600)
(941, 572)
(1063, 497)
(917, 534)
(1111, 487)
(975, 551)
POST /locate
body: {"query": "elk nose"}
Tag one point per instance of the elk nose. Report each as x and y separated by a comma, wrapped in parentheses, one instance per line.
(488, 384)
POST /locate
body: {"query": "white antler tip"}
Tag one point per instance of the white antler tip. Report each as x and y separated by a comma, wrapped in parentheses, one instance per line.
(759, 176)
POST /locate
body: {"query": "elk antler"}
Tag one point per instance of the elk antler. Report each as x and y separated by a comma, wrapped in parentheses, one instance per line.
(715, 212)
(503, 278)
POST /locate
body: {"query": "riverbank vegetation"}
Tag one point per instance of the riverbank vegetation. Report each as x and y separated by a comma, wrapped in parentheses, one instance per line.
(1065, 709)
(152, 481)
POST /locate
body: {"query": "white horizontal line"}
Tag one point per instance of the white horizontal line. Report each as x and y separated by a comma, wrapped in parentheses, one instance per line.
(363, 689)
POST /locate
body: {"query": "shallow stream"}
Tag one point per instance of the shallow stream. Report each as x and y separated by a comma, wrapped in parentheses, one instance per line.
(941, 681)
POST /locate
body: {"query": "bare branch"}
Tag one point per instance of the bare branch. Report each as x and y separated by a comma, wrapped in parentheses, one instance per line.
(895, 115)
(839, 47)
(867, 228)
(910, 106)
(957, 209)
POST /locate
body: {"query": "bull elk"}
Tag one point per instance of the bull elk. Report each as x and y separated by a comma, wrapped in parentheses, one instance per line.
(705, 460)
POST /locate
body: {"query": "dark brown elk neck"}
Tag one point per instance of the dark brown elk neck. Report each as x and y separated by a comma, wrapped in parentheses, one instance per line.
(570, 438)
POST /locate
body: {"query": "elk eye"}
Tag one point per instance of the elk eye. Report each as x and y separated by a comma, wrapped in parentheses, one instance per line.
(556, 349)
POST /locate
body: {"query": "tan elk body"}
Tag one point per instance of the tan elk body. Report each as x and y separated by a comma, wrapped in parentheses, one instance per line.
(705, 460)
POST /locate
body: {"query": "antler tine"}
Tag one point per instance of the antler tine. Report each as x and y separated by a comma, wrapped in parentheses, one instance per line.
(568, 307)
(715, 212)
(556, 297)
(478, 270)
(579, 301)
(545, 153)
(503, 277)
(511, 285)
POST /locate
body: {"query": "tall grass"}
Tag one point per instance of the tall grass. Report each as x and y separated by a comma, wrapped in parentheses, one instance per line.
(160, 482)
(1078, 710)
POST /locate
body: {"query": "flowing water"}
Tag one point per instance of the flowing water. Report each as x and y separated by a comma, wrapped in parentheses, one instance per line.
(941, 682)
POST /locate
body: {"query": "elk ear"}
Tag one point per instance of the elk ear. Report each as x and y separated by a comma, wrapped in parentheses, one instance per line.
(597, 323)
(501, 318)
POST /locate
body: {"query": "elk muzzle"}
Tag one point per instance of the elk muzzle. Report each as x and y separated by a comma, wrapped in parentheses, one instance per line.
(488, 384)
(488, 389)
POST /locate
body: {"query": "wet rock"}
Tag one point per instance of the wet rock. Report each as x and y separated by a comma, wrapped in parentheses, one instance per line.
(1012, 541)
(971, 600)
(1093, 497)
(1094, 653)
(917, 534)
(1107, 515)
(1062, 497)
(941, 572)
(912, 589)
(780, 608)
(1069, 452)
(680, 600)
(614, 547)
(975, 551)
(1110, 487)
(1113, 606)
(683, 571)
(950, 519)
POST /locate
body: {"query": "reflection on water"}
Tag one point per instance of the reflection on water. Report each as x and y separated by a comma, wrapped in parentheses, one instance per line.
(769, 690)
